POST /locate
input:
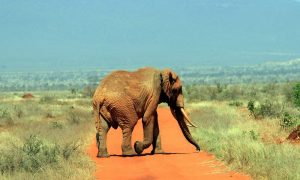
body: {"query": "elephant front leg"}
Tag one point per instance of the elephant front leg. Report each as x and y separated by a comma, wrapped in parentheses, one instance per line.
(101, 137)
(126, 143)
(157, 147)
(148, 126)
(156, 144)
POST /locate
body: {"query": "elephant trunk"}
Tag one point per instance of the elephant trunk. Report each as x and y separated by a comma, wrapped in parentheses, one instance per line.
(180, 117)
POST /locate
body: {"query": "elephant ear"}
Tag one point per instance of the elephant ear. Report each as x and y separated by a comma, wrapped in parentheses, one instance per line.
(170, 82)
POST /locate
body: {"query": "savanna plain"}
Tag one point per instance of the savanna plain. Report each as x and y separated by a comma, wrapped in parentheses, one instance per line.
(244, 121)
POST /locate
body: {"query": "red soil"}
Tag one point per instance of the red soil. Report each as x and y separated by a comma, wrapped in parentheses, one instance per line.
(180, 160)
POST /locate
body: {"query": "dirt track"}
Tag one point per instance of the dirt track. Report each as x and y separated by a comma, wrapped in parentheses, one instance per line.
(180, 160)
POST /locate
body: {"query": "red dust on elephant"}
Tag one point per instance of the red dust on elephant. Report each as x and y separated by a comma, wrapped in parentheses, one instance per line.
(123, 97)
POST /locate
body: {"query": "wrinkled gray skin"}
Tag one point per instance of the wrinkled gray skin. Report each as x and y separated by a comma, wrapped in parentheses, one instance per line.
(124, 97)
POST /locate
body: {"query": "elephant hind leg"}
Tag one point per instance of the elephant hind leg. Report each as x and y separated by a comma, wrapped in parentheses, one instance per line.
(127, 149)
(101, 137)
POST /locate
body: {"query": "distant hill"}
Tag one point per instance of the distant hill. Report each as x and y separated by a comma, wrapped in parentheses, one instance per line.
(65, 80)
(265, 72)
(295, 62)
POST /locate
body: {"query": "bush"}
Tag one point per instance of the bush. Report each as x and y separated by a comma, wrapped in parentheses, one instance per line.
(287, 91)
(77, 116)
(253, 135)
(70, 149)
(252, 109)
(88, 91)
(243, 148)
(47, 99)
(56, 125)
(6, 116)
(236, 103)
(38, 154)
(287, 120)
(265, 109)
(296, 95)
(18, 111)
(33, 155)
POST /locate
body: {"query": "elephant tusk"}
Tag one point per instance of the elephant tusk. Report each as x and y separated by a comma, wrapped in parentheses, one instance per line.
(188, 124)
(187, 118)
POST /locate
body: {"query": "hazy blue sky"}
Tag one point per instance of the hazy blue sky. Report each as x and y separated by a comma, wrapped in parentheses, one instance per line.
(40, 34)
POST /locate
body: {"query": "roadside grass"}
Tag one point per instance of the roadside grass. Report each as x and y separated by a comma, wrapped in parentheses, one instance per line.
(45, 137)
(256, 147)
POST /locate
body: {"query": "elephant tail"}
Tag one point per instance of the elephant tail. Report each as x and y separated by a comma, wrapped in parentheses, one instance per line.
(96, 108)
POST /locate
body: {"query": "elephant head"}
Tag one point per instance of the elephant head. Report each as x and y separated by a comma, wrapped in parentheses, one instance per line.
(172, 94)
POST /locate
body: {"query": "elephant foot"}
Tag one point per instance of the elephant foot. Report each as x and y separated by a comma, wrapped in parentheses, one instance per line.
(157, 151)
(128, 153)
(102, 154)
(138, 147)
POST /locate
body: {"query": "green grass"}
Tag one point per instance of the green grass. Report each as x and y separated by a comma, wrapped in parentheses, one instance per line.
(45, 137)
(245, 144)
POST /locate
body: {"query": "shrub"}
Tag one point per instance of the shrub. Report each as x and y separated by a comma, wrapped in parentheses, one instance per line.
(88, 91)
(73, 91)
(76, 116)
(49, 115)
(287, 91)
(56, 125)
(30, 156)
(241, 147)
(252, 108)
(235, 103)
(287, 120)
(296, 95)
(38, 154)
(265, 109)
(32, 145)
(47, 99)
(6, 116)
(70, 149)
(18, 111)
(253, 135)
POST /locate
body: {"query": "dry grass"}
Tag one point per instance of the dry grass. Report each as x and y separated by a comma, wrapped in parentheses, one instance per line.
(244, 143)
(45, 137)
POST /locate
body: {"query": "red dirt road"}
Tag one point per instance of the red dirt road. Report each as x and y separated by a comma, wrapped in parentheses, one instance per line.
(180, 160)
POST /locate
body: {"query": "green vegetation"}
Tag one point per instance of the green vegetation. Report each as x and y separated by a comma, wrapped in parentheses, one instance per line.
(250, 136)
(45, 137)
(245, 144)
(296, 95)
(244, 115)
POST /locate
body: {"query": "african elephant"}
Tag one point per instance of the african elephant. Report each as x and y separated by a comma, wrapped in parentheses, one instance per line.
(123, 97)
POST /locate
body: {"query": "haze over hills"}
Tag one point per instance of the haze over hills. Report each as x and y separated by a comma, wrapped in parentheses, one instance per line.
(55, 35)
(65, 80)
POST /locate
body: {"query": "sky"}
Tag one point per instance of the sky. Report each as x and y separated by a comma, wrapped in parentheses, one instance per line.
(65, 34)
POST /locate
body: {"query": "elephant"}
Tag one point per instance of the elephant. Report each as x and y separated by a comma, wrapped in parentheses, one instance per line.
(123, 97)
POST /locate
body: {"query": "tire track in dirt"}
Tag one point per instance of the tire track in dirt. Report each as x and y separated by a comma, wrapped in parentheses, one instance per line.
(180, 160)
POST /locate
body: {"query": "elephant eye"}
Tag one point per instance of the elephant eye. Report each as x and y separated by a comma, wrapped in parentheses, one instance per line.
(172, 81)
